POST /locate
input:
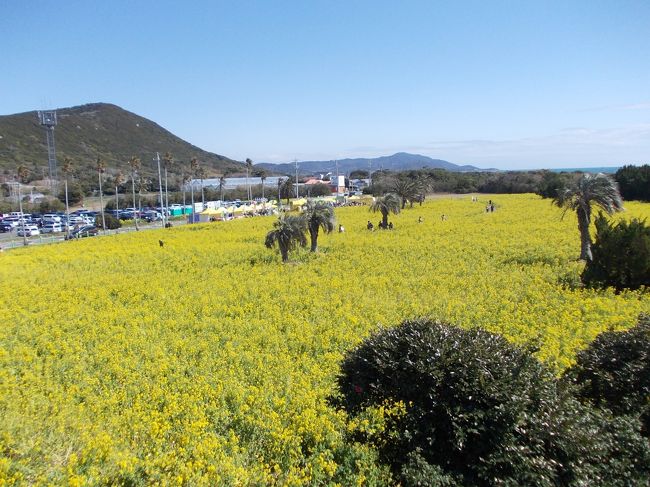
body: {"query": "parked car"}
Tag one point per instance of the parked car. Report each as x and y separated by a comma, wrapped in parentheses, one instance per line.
(85, 231)
(52, 227)
(27, 231)
(51, 217)
(6, 227)
(151, 216)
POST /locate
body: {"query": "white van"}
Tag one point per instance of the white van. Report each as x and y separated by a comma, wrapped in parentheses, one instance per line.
(51, 218)
(52, 227)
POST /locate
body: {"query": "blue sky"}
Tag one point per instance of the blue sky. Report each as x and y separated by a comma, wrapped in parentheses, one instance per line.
(508, 84)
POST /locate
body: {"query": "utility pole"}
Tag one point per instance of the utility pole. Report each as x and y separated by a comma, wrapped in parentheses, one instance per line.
(162, 201)
(295, 161)
(48, 120)
(370, 173)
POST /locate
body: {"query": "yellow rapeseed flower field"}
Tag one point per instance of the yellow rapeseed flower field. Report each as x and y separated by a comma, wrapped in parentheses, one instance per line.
(208, 362)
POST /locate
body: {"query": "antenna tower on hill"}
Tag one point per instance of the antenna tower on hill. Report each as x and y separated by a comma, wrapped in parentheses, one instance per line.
(48, 120)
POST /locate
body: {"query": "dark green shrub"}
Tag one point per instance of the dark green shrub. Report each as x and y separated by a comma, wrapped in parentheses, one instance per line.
(614, 372)
(481, 411)
(634, 182)
(112, 223)
(50, 206)
(621, 255)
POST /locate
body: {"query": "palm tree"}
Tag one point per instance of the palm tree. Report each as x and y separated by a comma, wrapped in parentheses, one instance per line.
(286, 188)
(249, 167)
(202, 173)
(590, 190)
(318, 215)
(263, 176)
(67, 170)
(406, 189)
(389, 203)
(134, 164)
(185, 178)
(222, 184)
(118, 180)
(101, 169)
(289, 232)
(23, 174)
(194, 167)
(168, 162)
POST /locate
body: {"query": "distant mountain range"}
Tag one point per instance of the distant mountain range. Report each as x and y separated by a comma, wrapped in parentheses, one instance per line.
(397, 162)
(86, 132)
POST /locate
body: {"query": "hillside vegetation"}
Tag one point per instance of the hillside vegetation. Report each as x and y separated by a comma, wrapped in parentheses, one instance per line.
(208, 361)
(87, 132)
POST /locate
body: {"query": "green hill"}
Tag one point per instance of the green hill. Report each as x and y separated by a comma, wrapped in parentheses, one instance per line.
(96, 130)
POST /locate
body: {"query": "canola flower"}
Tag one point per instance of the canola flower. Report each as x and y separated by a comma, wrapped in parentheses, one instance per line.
(208, 362)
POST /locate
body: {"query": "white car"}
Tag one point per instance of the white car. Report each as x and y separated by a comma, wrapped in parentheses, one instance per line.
(51, 218)
(52, 227)
(27, 231)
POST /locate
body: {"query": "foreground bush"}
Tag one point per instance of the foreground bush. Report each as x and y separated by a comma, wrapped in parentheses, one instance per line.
(480, 411)
(621, 255)
(614, 372)
(112, 223)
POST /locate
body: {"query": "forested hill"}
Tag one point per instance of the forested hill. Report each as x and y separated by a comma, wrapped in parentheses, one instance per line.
(87, 132)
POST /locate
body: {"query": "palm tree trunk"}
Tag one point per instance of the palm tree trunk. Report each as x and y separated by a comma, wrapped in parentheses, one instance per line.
(585, 238)
(384, 219)
(101, 202)
(285, 253)
(117, 205)
(135, 213)
(313, 234)
(192, 193)
(184, 198)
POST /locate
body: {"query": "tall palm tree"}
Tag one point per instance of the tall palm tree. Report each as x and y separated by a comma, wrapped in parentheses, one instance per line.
(249, 168)
(194, 167)
(202, 173)
(222, 184)
(101, 169)
(134, 164)
(185, 178)
(318, 215)
(288, 233)
(67, 170)
(389, 203)
(168, 162)
(590, 190)
(263, 176)
(118, 180)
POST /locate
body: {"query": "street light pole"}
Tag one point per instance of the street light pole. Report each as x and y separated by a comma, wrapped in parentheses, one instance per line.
(162, 201)
(22, 215)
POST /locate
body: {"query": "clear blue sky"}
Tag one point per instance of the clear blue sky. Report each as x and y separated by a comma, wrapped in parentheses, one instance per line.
(510, 84)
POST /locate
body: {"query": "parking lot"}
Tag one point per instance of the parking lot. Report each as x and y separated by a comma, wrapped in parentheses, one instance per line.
(10, 240)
